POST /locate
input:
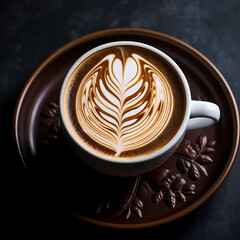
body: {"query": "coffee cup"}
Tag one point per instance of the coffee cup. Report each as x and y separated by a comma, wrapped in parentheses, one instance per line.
(125, 107)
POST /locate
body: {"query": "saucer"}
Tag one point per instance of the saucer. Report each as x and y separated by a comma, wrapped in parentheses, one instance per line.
(184, 182)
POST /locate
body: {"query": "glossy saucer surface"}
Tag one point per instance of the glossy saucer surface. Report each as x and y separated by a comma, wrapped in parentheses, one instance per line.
(183, 183)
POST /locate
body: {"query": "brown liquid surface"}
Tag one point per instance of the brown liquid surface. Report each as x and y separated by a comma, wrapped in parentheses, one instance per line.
(124, 102)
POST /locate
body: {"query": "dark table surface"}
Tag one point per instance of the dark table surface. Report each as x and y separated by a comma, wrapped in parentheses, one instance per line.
(32, 30)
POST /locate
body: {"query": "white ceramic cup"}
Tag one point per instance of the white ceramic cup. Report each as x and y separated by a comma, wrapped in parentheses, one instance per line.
(198, 114)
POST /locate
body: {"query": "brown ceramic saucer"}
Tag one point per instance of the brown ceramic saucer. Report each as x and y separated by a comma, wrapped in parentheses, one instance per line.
(183, 183)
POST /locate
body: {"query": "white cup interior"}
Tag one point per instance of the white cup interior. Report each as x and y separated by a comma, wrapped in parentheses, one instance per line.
(159, 152)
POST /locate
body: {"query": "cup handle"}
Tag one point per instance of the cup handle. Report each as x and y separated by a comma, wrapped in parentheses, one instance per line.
(203, 114)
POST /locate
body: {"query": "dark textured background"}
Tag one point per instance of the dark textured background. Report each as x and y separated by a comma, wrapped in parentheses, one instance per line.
(31, 30)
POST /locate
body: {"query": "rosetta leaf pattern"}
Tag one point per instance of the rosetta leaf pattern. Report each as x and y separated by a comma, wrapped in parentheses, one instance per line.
(123, 104)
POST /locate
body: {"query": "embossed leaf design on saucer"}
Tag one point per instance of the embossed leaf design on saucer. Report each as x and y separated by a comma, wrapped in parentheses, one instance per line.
(192, 157)
(124, 103)
(162, 184)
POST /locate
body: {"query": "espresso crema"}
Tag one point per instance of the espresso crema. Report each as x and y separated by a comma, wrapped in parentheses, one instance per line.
(124, 101)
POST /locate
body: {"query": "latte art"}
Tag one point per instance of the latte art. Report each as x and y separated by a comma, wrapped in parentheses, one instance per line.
(124, 103)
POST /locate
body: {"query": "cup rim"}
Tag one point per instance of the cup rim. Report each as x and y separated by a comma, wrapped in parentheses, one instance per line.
(157, 153)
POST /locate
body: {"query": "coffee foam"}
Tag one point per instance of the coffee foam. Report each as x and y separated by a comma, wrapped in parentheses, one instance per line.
(124, 103)
(119, 102)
